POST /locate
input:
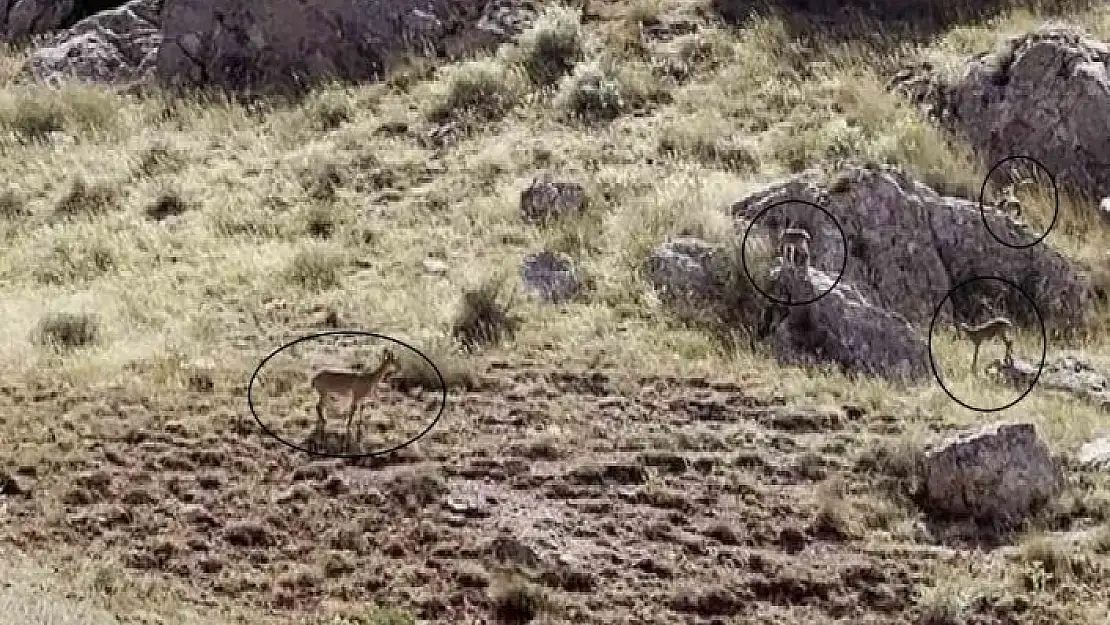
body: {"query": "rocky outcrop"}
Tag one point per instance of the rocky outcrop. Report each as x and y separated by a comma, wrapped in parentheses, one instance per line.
(1067, 374)
(908, 246)
(837, 327)
(20, 19)
(119, 45)
(1044, 94)
(288, 45)
(999, 475)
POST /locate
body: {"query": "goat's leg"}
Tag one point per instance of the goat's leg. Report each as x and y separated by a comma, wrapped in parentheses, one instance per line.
(351, 414)
(975, 359)
(320, 414)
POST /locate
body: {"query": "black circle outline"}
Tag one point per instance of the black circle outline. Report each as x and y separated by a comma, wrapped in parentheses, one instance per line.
(1055, 212)
(1044, 342)
(744, 253)
(442, 403)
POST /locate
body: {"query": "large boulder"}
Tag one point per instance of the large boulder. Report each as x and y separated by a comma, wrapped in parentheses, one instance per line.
(908, 246)
(838, 327)
(999, 475)
(1045, 94)
(22, 18)
(118, 45)
(288, 45)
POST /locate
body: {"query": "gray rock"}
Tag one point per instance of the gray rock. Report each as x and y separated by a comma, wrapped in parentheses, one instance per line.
(23, 18)
(550, 276)
(289, 45)
(682, 268)
(1096, 454)
(840, 327)
(115, 46)
(843, 328)
(1000, 474)
(545, 201)
(1044, 94)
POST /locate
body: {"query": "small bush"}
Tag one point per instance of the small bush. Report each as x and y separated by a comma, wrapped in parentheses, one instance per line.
(482, 319)
(591, 94)
(316, 268)
(87, 199)
(13, 205)
(708, 142)
(67, 330)
(552, 46)
(517, 601)
(413, 371)
(159, 158)
(328, 110)
(483, 89)
(168, 204)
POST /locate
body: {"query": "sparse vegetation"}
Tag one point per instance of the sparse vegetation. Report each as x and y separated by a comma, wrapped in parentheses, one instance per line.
(553, 46)
(85, 198)
(485, 315)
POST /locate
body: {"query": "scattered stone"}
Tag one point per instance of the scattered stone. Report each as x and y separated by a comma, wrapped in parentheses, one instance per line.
(248, 534)
(546, 201)
(551, 276)
(469, 507)
(12, 486)
(1000, 474)
(435, 266)
(680, 269)
(1096, 454)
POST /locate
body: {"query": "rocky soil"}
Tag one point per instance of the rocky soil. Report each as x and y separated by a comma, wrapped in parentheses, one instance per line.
(650, 500)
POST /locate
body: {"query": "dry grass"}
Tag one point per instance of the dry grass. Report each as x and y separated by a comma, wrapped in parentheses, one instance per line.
(312, 204)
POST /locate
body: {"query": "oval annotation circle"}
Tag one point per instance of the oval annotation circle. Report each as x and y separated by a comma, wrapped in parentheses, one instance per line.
(1055, 200)
(1044, 342)
(755, 283)
(315, 452)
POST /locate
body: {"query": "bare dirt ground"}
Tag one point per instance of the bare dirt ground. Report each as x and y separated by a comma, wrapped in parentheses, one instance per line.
(622, 500)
